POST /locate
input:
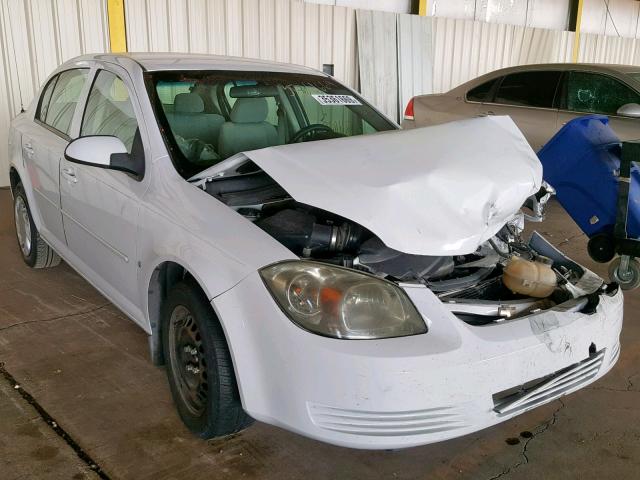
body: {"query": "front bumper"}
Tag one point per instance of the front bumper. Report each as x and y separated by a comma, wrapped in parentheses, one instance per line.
(403, 392)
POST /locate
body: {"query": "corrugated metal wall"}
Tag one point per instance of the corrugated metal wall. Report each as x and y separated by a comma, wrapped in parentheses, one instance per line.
(282, 30)
(553, 14)
(465, 49)
(35, 37)
(397, 6)
(378, 58)
(611, 17)
(435, 54)
(607, 49)
(415, 57)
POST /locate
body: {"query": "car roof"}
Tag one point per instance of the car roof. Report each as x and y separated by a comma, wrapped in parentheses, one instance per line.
(608, 67)
(612, 69)
(191, 61)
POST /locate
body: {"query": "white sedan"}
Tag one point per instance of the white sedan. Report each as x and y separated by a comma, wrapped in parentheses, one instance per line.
(296, 259)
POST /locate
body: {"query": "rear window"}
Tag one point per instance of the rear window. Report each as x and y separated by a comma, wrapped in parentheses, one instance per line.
(529, 89)
(481, 92)
(45, 98)
(60, 98)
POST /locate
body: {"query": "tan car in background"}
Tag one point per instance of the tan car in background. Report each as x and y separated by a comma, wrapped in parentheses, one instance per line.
(540, 99)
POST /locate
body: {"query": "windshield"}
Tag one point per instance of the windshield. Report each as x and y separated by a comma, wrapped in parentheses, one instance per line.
(635, 76)
(207, 117)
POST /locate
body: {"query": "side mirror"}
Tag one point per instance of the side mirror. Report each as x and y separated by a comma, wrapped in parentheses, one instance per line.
(103, 151)
(629, 110)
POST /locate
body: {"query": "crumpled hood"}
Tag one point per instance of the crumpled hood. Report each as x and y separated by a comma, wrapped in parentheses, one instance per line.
(441, 190)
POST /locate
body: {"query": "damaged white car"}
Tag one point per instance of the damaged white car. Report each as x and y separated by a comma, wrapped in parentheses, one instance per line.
(370, 291)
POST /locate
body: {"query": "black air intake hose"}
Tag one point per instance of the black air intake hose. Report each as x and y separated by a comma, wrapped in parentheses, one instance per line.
(297, 230)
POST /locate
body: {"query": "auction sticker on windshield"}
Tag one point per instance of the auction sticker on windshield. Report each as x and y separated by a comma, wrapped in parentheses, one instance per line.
(327, 99)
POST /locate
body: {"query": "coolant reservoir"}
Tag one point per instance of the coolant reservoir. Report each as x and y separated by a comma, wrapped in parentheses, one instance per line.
(534, 279)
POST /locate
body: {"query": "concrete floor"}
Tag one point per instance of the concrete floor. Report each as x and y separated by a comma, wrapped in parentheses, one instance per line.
(87, 369)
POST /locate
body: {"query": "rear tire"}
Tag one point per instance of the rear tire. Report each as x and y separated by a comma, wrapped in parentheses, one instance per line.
(199, 366)
(35, 251)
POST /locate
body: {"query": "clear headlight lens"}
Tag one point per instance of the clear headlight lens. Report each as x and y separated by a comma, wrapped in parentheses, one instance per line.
(341, 303)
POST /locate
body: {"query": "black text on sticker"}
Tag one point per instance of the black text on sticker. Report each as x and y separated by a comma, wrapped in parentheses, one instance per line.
(336, 100)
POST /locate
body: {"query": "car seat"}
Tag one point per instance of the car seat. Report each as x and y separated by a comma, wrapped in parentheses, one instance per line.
(189, 120)
(248, 128)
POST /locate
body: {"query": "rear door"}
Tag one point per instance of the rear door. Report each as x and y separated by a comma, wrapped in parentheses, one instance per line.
(453, 105)
(585, 93)
(529, 99)
(43, 146)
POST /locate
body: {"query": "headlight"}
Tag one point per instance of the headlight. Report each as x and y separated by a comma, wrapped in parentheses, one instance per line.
(341, 303)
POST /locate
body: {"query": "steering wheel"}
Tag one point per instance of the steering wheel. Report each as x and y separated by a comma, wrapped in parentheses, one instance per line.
(314, 127)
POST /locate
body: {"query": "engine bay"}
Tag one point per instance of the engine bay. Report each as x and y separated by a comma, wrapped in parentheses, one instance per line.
(504, 278)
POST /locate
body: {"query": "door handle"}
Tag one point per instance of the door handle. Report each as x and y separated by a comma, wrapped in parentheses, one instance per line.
(70, 174)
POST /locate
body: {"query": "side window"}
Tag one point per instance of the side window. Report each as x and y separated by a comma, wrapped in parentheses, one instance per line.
(45, 98)
(63, 99)
(480, 93)
(594, 93)
(109, 110)
(529, 89)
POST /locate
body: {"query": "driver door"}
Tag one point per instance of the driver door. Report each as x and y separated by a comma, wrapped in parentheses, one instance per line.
(100, 207)
(587, 93)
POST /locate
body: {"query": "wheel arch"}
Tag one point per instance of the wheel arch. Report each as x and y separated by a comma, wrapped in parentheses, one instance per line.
(18, 175)
(14, 179)
(165, 275)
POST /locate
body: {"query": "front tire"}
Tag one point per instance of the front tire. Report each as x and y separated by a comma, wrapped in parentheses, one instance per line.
(35, 251)
(199, 365)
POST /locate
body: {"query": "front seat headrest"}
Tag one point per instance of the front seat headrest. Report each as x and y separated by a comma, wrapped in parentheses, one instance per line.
(249, 110)
(188, 103)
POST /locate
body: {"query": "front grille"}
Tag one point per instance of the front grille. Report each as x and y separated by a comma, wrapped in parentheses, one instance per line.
(361, 422)
(547, 388)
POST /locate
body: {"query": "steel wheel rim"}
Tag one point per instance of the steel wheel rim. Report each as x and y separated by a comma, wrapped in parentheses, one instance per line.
(23, 225)
(186, 353)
